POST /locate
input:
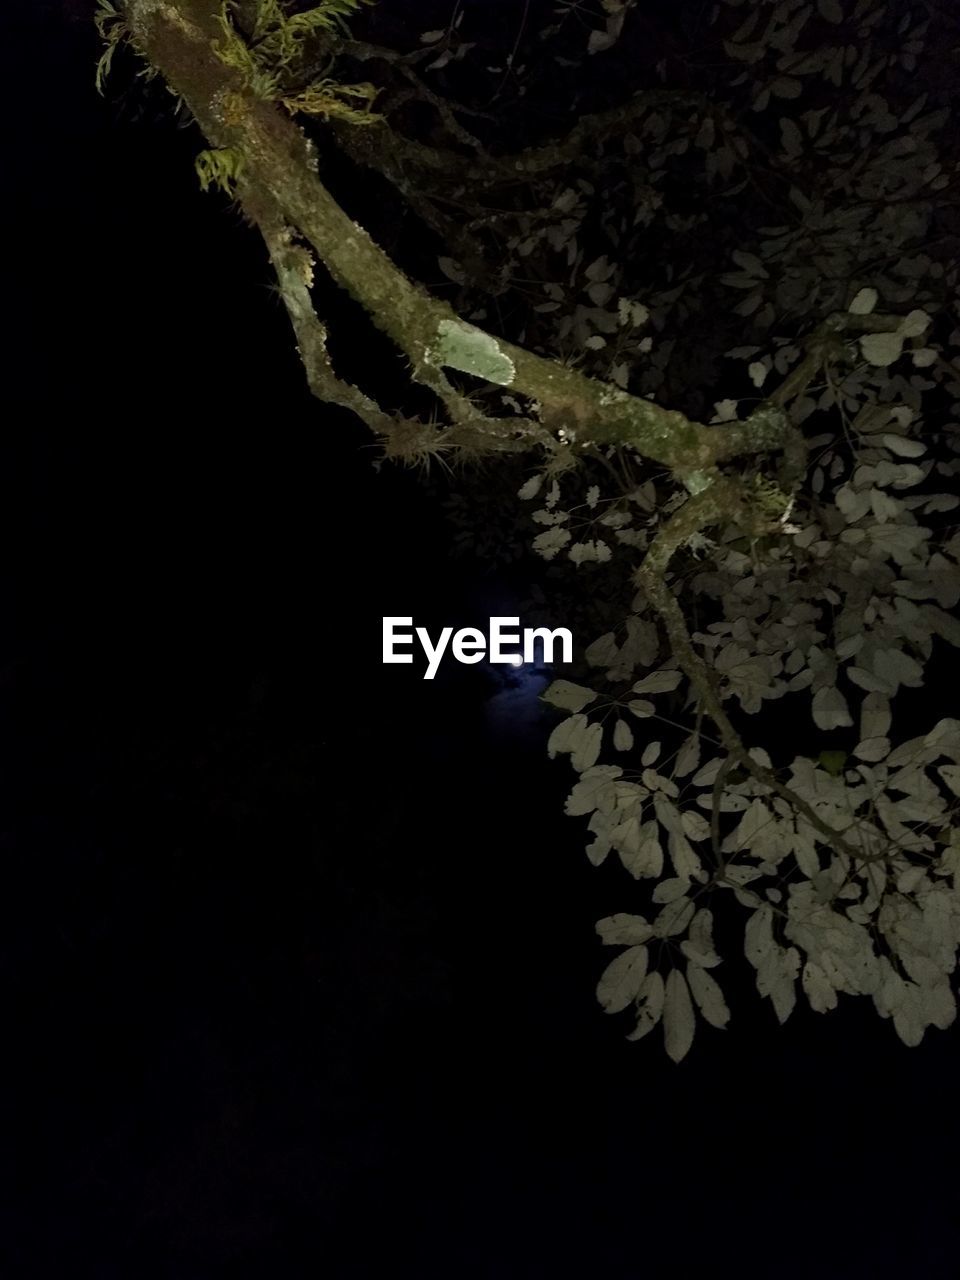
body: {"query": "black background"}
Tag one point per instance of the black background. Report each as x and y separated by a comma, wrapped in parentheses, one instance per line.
(298, 952)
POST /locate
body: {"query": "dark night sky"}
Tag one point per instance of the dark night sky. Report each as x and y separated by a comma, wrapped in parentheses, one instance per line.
(299, 954)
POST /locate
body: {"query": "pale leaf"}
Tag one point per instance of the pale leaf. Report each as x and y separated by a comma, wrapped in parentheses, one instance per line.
(568, 696)
(624, 930)
(588, 748)
(649, 1006)
(830, 709)
(678, 1016)
(881, 349)
(622, 979)
(708, 996)
(863, 303)
(903, 446)
(658, 682)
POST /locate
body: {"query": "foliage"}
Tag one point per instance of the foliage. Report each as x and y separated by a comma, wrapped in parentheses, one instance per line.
(221, 168)
(112, 31)
(844, 604)
(276, 52)
(769, 258)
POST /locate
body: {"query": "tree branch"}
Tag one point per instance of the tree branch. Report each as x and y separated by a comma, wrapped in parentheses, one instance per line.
(180, 38)
(723, 501)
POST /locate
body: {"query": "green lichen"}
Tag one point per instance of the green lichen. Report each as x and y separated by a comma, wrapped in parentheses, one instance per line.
(472, 351)
(697, 481)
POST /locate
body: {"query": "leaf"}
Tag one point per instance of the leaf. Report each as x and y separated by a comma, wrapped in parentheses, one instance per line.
(621, 981)
(706, 774)
(698, 945)
(673, 918)
(777, 979)
(750, 263)
(903, 446)
(567, 695)
(830, 10)
(658, 682)
(650, 754)
(531, 488)
(594, 791)
(549, 543)
(647, 863)
(852, 503)
(624, 930)
(600, 269)
(818, 988)
(872, 749)
(649, 1006)
(603, 651)
(708, 996)
(451, 268)
(678, 1016)
(688, 757)
(830, 709)
(599, 294)
(757, 371)
(758, 935)
(671, 889)
(832, 762)
(626, 837)
(684, 859)
(695, 825)
(894, 667)
(641, 708)
(588, 748)
(725, 411)
(881, 349)
(914, 324)
(567, 735)
(791, 139)
(622, 736)
(863, 303)
(600, 41)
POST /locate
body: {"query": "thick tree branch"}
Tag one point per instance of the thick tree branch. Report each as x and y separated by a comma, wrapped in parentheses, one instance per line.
(180, 38)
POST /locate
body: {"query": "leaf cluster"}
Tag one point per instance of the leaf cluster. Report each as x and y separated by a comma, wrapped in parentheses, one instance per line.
(277, 50)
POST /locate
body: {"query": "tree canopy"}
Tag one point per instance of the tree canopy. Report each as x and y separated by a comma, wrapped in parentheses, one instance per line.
(697, 272)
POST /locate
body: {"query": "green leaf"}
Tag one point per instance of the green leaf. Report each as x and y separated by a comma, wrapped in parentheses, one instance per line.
(832, 762)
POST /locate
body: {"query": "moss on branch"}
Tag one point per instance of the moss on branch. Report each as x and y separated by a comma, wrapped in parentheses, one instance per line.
(183, 40)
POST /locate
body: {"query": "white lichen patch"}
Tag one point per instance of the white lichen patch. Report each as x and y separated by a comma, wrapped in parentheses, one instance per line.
(610, 395)
(696, 481)
(464, 347)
